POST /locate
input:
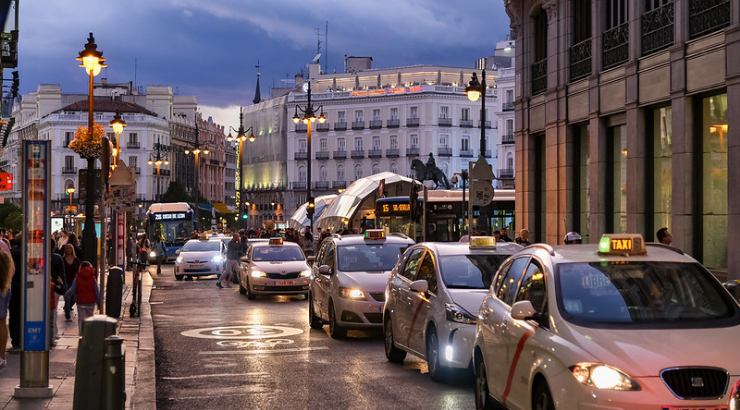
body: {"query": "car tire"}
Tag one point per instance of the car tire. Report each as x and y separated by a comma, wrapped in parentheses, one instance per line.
(541, 398)
(179, 277)
(483, 399)
(249, 293)
(313, 320)
(242, 289)
(335, 330)
(392, 353)
(436, 370)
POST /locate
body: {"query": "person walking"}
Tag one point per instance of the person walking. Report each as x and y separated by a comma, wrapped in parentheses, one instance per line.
(7, 269)
(233, 253)
(85, 290)
(160, 250)
(72, 239)
(71, 267)
(523, 238)
(59, 287)
(14, 310)
(143, 256)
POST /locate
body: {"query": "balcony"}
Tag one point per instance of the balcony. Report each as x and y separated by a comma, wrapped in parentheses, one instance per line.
(298, 185)
(466, 153)
(322, 154)
(375, 153)
(466, 123)
(445, 122)
(412, 122)
(69, 170)
(358, 125)
(657, 28)
(375, 124)
(615, 45)
(339, 184)
(358, 153)
(392, 153)
(539, 76)
(506, 173)
(395, 123)
(321, 185)
(507, 106)
(708, 16)
(301, 127)
(412, 152)
(342, 154)
(507, 139)
(162, 172)
(322, 127)
(444, 151)
(580, 60)
(133, 144)
(488, 124)
(487, 153)
(340, 126)
(301, 155)
(138, 170)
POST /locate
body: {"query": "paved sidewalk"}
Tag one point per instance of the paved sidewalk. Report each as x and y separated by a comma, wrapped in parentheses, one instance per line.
(138, 335)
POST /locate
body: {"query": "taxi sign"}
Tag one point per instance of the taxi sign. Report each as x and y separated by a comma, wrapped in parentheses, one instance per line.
(375, 234)
(622, 244)
(278, 241)
(487, 242)
(203, 237)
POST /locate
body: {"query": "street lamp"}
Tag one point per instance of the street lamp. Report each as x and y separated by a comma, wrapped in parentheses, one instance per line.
(241, 136)
(93, 61)
(474, 90)
(309, 116)
(158, 157)
(117, 123)
(196, 151)
(70, 191)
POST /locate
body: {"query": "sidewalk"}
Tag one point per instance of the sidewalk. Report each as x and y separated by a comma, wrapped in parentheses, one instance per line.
(138, 335)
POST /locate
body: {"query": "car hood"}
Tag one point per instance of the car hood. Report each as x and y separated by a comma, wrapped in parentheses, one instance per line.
(468, 299)
(645, 352)
(279, 266)
(199, 256)
(371, 282)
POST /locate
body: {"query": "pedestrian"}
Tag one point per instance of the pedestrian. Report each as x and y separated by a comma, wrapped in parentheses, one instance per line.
(71, 267)
(14, 310)
(72, 239)
(160, 251)
(132, 253)
(59, 287)
(497, 236)
(572, 238)
(143, 258)
(233, 255)
(664, 236)
(85, 290)
(308, 242)
(7, 269)
(63, 238)
(504, 236)
(523, 238)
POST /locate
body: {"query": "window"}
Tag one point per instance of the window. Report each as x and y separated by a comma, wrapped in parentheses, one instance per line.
(465, 143)
(340, 173)
(302, 145)
(341, 145)
(133, 138)
(533, 289)
(133, 162)
(394, 113)
(581, 20)
(376, 168)
(394, 168)
(302, 174)
(376, 142)
(616, 177)
(661, 191)
(323, 173)
(539, 67)
(409, 270)
(358, 144)
(358, 171)
(443, 139)
(341, 117)
(444, 112)
(581, 193)
(394, 142)
(714, 183)
(428, 272)
(376, 114)
(323, 145)
(465, 114)
(414, 141)
(69, 162)
(616, 13)
(68, 137)
(506, 283)
(509, 96)
(509, 127)
(414, 112)
(358, 115)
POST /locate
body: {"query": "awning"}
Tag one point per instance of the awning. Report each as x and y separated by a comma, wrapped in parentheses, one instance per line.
(223, 208)
(205, 206)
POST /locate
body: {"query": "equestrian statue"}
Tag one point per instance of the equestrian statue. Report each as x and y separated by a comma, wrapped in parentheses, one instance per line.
(430, 172)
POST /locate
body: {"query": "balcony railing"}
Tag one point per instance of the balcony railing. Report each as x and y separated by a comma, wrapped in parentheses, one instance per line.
(412, 122)
(162, 172)
(488, 124)
(392, 123)
(375, 153)
(466, 123)
(340, 154)
(444, 151)
(322, 127)
(506, 173)
(133, 144)
(340, 126)
(358, 153)
(301, 155)
(412, 152)
(580, 60)
(298, 185)
(69, 170)
(616, 46)
(301, 127)
(322, 154)
(487, 153)
(657, 28)
(467, 153)
(339, 184)
(706, 16)
(445, 122)
(321, 185)
(507, 139)
(358, 125)
(507, 106)
(375, 124)
(392, 153)
(138, 170)
(539, 76)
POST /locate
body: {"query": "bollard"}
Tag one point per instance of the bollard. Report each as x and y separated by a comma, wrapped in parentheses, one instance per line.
(114, 374)
(114, 292)
(90, 358)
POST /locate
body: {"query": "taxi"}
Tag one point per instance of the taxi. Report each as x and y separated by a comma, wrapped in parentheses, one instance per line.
(273, 267)
(433, 296)
(616, 325)
(200, 257)
(348, 277)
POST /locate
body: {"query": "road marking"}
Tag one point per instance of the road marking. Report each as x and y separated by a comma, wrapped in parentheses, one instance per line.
(297, 350)
(208, 376)
(517, 355)
(242, 332)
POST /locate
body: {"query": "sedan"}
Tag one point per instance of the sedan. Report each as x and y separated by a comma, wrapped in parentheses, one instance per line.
(274, 268)
(200, 257)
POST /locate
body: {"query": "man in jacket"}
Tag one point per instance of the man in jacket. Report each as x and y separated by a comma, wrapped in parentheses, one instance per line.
(233, 253)
(160, 250)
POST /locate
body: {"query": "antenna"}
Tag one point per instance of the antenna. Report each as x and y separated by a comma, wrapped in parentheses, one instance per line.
(318, 46)
(316, 58)
(326, 46)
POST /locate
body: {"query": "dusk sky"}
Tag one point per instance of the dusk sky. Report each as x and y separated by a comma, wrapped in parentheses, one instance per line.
(210, 48)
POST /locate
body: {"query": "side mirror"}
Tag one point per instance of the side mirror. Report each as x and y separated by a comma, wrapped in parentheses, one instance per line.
(523, 310)
(421, 286)
(325, 270)
(734, 288)
(310, 260)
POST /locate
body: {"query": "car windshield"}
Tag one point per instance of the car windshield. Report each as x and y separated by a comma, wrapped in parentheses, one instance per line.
(641, 293)
(201, 246)
(470, 271)
(277, 254)
(364, 257)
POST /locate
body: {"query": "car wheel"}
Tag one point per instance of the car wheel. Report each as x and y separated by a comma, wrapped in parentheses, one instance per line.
(541, 398)
(242, 289)
(436, 371)
(249, 293)
(393, 353)
(179, 277)
(483, 400)
(335, 331)
(313, 320)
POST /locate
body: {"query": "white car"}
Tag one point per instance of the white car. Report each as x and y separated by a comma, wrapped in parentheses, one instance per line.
(273, 267)
(433, 296)
(618, 325)
(200, 257)
(348, 279)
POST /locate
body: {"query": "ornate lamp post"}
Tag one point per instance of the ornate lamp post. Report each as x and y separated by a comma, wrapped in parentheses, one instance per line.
(93, 61)
(309, 117)
(241, 136)
(70, 191)
(117, 123)
(158, 157)
(196, 151)
(474, 90)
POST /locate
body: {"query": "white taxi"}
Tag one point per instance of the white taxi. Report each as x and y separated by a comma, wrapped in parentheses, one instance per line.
(433, 295)
(347, 287)
(273, 267)
(200, 257)
(618, 325)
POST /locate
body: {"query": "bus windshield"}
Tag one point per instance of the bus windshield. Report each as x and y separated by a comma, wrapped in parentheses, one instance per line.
(173, 226)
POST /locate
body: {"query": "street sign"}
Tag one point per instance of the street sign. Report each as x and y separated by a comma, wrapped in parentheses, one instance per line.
(481, 193)
(122, 194)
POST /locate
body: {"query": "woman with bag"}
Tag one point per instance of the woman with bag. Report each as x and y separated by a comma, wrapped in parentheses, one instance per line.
(85, 290)
(71, 266)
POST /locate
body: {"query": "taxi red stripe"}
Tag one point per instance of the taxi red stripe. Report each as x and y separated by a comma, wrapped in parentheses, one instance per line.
(517, 355)
(413, 322)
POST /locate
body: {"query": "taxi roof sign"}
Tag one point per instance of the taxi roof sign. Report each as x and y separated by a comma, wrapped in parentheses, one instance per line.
(487, 242)
(375, 234)
(622, 244)
(276, 241)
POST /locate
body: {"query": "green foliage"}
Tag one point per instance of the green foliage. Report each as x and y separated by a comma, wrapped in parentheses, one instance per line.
(176, 193)
(14, 221)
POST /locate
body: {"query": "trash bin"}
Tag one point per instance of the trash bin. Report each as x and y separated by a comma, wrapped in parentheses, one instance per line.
(90, 361)
(114, 292)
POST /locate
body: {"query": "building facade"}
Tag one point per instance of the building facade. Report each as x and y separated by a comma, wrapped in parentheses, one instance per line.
(622, 121)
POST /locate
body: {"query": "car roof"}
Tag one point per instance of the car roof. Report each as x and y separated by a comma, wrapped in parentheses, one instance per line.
(589, 253)
(266, 244)
(354, 239)
(463, 248)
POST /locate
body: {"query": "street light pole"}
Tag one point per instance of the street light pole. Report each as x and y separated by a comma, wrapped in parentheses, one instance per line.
(475, 90)
(241, 136)
(196, 151)
(158, 157)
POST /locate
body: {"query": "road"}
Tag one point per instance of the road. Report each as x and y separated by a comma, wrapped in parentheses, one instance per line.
(217, 350)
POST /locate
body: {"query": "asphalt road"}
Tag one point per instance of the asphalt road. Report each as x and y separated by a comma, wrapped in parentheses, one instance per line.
(217, 350)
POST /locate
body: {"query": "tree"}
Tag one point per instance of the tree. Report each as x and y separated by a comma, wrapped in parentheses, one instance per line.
(176, 193)
(6, 210)
(14, 221)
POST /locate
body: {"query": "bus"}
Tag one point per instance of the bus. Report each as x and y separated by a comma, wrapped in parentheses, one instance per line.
(445, 218)
(173, 222)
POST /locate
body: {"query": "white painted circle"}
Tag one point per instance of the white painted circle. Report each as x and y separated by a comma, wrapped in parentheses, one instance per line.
(242, 332)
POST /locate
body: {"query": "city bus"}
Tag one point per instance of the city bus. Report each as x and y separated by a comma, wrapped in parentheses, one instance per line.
(173, 222)
(444, 218)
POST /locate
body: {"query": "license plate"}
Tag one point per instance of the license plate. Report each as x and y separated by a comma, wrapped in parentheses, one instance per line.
(694, 408)
(196, 265)
(285, 283)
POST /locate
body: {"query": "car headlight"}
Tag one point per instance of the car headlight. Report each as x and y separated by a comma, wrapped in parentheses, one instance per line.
(457, 314)
(152, 254)
(217, 259)
(602, 376)
(735, 397)
(350, 293)
(179, 259)
(258, 274)
(306, 273)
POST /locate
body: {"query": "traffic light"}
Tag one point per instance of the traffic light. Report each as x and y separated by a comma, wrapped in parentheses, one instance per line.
(14, 87)
(245, 215)
(310, 208)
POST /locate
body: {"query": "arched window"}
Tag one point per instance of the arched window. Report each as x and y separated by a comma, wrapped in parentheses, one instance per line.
(302, 174)
(394, 168)
(340, 173)
(376, 168)
(323, 173)
(358, 171)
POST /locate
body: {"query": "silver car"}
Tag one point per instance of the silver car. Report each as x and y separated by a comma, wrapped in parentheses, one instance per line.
(200, 257)
(274, 267)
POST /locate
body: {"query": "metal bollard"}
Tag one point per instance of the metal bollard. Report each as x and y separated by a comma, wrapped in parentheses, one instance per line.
(90, 361)
(114, 373)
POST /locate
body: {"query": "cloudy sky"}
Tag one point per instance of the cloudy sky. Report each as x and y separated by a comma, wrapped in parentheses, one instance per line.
(210, 48)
